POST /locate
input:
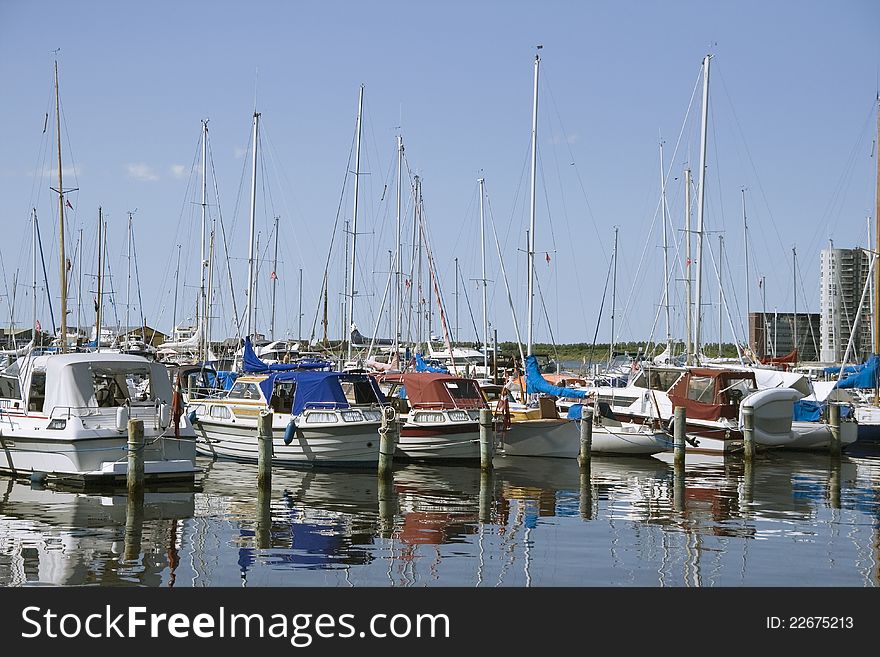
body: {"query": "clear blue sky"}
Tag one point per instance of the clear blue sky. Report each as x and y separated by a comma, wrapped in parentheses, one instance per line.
(792, 120)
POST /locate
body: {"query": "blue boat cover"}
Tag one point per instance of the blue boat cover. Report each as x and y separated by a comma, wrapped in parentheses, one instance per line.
(422, 366)
(535, 383)
(865, 375)
(252, 363)
(321, 387)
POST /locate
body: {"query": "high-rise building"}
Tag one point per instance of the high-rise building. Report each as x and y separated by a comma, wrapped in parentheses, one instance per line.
(842, 277)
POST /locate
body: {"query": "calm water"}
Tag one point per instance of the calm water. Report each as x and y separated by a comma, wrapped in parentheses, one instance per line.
(790, 520)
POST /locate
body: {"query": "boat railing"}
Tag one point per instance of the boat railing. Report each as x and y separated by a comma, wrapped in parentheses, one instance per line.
(149, 414)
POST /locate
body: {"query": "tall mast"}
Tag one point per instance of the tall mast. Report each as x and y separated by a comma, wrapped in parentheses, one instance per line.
(202, 305)
(176, 283)
(300, 313)
(795, 324)
(274, 280)
(79, 286)
(746, 249)
(531, 246)
(100, 303)
(687, 279)
(63, 268)
(34, 288)
(701, 205)
(128, 279)
(455, 333)
(665, 253)
(613, 296)
(251, 302)
(398, 300)
(357, 172)
(483, 281)
(877, 270)
(720, 291)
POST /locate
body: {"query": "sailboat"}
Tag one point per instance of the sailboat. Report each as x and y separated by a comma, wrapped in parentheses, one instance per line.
(70, 423)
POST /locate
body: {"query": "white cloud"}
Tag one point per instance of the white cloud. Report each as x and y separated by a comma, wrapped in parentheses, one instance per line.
(141, 172)
(66, 172)
(178, 171)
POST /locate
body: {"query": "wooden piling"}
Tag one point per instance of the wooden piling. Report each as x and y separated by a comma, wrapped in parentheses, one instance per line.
(585, 499)
(389, 434)
(264, 453)
(487, 497)
(134, 526)
(679, 430)
(487, 439)
(586, 437)
(748, 415)
(834, 422)
(834, 483)
(135, 473)
(386, 506)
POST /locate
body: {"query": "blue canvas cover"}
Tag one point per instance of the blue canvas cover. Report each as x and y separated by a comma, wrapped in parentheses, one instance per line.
(317, 387)
(251, 363)
(864, 377)
(536, 383)
(422, 366)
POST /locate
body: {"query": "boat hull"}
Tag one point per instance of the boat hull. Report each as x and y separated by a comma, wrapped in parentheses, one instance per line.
(349, 444)
(542, 437)
(459, 442)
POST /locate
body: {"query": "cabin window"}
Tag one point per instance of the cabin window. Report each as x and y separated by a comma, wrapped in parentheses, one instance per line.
(736, 389)
(9, 387)
(220, 412)
(282, 397)
(321, 417)
(462, 389)
(429, 417)
(38, 392)
(358, 391)
(656, 379)
(701, 389)
(244, 390)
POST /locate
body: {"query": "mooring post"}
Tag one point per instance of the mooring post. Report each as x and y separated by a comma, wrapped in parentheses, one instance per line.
(487, 439)
(586, 437)
(264, 455)
(487, 495)
(748, 415)
(389, 433)
(834, 422)
(834, 483)
(135, 473)
(134, 526)
(585, 499)
(679, 430)
(387, 506)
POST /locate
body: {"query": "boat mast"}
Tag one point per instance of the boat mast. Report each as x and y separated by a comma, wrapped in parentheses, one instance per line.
(79, 287)
(274, 280)
(746, 249)
(877, 271)
(720, 291)
(665, 253)
(176, 283)
(63, 268)
(687, 279)
(701, 205)
(202, 305)
(531, 243)
(251, 302)
(483, 281)
(613, 296)
(300, 315)
(100, 302)
(357, 171)
(34, 288)
(795, 323)
(398, 294)
(128, 279)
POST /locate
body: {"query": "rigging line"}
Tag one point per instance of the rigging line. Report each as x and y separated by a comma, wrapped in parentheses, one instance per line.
(736, 339)
(235, 317)
(333, 233)
(470, 310)
(137, 279)
(547, 317)
(751, 161)
(684, 123)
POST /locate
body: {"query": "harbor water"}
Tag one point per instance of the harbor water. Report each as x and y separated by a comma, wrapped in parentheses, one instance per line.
(788, 520)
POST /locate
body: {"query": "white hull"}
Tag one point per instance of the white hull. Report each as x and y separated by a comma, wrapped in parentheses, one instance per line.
(817, 435)
(82, 451)
(545, 437)
(349, 444)
(628, 439)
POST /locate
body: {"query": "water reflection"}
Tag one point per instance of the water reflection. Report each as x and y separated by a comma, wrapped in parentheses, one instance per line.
(787, 519)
